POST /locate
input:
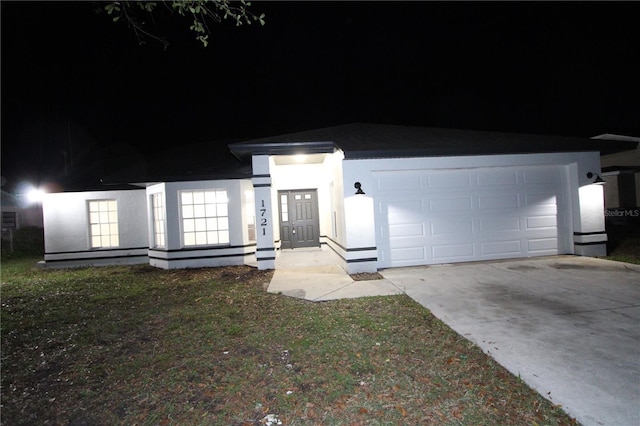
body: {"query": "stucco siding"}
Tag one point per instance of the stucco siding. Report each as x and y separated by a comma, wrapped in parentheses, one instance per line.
(67, 229)
(175, 254)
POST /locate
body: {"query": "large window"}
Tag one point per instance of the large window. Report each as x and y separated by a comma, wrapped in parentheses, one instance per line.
(157, 205)
(205, 217)
(103, 222)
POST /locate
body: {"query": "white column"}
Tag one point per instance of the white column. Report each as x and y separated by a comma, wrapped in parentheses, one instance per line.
(589, 237)
(265, 249)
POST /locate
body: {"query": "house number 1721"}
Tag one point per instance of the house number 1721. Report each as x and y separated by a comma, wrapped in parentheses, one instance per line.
(263, 219)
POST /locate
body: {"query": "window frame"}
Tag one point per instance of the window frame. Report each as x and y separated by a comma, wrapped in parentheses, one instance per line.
(92, 224)
(159, 226)
(199, 217)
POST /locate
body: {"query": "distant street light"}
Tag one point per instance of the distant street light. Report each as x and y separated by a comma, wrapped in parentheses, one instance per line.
(35, 195)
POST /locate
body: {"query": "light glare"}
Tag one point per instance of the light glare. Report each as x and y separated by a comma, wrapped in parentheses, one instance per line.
(35, 195)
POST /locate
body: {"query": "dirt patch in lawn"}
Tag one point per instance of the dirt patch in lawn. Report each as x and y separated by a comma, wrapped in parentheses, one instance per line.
(366, 276)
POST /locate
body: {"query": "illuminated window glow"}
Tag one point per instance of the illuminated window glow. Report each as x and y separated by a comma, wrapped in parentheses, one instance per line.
(103, 222)
(157, 204)
(205, 217)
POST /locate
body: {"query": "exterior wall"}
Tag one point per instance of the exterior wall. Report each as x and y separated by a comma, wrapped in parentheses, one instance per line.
(587, 211)
(622, 187)
(26, 214)
(325, 177)
(174, 254)
(67, 233)
(589, 234)
(303, 176)
(625, 158)
(336, 233)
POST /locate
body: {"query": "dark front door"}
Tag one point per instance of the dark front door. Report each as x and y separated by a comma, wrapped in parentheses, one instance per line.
(299, 224)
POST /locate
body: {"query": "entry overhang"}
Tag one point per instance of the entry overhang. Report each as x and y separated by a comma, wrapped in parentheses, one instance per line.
(244, 151)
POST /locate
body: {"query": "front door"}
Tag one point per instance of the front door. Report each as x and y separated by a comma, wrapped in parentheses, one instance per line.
(299, 224)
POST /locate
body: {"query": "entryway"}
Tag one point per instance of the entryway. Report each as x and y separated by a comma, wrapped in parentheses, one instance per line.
(299, 223)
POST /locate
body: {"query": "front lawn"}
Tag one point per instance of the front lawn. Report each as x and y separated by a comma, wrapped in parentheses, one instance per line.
(623, 243)
(139, 345)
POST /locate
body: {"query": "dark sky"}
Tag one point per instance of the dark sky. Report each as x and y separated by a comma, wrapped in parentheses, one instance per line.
(78, 91)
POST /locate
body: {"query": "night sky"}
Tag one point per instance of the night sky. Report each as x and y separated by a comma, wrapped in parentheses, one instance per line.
(80, 97)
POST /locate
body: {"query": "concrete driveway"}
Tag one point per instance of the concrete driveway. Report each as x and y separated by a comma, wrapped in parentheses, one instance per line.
(568, 326)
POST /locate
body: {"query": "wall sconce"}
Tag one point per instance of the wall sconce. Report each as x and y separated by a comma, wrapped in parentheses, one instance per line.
(597, 181)
(358, 186)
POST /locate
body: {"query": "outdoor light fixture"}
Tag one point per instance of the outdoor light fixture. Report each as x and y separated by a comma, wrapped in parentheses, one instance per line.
(598, 180)
(28, 194)
(358, 186)
(34, 195)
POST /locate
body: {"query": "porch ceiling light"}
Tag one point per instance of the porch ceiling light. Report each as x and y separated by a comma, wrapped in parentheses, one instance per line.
(358, 186)
(598, 180)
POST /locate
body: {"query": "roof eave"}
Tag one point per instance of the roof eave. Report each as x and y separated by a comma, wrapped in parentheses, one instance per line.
(246, 150)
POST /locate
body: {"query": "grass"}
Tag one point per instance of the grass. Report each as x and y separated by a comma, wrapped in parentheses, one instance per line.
(138, 345)
(624, 243)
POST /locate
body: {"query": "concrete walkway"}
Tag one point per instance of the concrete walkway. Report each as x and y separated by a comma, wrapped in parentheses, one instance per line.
(314, 274)
(568, 326)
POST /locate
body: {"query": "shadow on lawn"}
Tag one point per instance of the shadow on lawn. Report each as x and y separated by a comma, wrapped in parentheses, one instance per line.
(624, 241)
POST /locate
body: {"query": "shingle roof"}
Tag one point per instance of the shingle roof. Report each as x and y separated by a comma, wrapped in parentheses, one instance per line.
(212, 160)
(202, 161)
(363, 140)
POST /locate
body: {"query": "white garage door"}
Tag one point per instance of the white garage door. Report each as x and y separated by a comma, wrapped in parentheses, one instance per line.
(443, 216)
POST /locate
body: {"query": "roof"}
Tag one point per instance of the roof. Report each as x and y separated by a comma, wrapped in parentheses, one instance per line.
(203, 161)
(364, 140)
(613, 137)
(215, 160)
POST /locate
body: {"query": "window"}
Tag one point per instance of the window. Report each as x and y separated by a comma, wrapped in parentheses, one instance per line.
(157, 206)
(9, 220)
(205, 217)
(103, 220)
(284, 208)
(251, 218)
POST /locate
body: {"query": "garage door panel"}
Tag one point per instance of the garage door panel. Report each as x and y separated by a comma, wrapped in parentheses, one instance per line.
(542, 222)
(408, 255)
(539, 199)
(394, 182)
(452, 251)
(542, 245)
(406, 229)
(495, 224)
(507, 201)
(450, 227)
(497, 177)
(401, 211)
(450, 204)
(448, 179)
(472, 214)
(541, 210)
(536, 175)
(513, 247)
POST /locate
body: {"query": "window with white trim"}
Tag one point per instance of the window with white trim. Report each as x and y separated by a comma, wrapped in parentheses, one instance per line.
(205, 217)
(157, 206)
(103, 223)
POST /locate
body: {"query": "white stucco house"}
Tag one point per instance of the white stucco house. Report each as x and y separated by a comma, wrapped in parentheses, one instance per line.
(379, 196)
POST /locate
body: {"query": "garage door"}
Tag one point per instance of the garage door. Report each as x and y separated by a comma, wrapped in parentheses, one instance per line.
(444, 216)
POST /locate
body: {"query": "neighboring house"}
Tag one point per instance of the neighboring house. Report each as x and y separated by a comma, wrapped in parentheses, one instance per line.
(621, 171)
(378, 195)
(17, 214)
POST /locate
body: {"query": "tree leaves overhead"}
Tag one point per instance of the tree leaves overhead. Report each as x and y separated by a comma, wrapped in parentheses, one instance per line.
(200, 13)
